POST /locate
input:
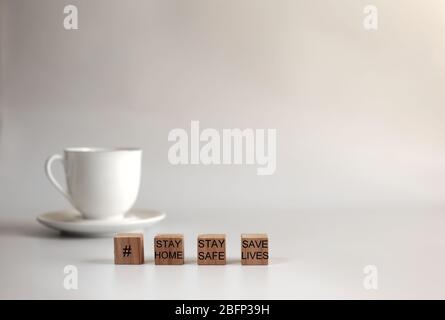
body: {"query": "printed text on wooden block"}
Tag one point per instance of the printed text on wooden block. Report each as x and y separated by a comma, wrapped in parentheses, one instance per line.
(212, 249)
(169, 249)
(129, 248)
(254, 249)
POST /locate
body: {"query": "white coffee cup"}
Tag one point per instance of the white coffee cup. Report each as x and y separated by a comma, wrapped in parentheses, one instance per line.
(102, 183)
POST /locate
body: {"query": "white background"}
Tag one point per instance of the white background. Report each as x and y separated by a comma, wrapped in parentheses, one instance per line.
(359, 115)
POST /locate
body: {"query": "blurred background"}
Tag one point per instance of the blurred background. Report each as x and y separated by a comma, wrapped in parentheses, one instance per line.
(359, 114)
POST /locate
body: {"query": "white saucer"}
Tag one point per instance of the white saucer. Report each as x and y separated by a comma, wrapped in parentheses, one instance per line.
(73, 223)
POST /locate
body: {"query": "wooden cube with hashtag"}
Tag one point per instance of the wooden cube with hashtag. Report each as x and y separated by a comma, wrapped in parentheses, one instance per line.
(129, 248)
(212, 249)
(254, 249)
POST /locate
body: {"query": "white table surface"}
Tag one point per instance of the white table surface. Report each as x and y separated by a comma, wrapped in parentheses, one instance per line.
(313, 255)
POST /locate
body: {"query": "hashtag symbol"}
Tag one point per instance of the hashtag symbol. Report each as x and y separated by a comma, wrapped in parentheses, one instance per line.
(126, 251)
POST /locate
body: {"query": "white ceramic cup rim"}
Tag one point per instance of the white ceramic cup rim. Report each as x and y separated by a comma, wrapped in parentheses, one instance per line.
(101, 149)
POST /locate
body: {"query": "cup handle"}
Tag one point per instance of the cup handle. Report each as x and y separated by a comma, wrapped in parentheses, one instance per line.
(49, 174)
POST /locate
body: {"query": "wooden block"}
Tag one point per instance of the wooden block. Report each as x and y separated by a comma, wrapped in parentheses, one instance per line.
(129, 248)
(169, 249)
(212, 249)
(254, 249)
